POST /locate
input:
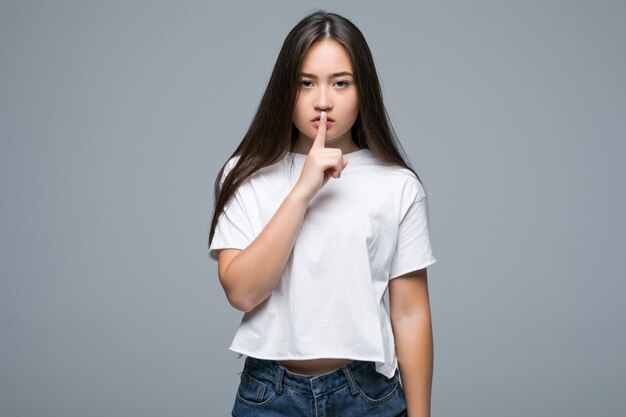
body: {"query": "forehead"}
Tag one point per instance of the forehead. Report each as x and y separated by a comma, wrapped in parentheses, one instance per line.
(325, 57)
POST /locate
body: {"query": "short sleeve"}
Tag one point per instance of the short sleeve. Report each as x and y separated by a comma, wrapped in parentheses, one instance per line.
(233, 228)
(413, 250)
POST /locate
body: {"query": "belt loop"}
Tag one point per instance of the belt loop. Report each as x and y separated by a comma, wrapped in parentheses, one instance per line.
(280, 372)
(354, 389)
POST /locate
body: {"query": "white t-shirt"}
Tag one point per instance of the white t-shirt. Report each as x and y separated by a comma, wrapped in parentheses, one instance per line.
(359, 231)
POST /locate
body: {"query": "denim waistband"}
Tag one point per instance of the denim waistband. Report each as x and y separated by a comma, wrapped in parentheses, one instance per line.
(314, 384)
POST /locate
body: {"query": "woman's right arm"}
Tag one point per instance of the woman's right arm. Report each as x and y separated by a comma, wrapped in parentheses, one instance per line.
(248, 276)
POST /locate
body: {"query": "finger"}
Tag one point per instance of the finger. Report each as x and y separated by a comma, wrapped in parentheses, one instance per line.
(337, 172)
(320, 139)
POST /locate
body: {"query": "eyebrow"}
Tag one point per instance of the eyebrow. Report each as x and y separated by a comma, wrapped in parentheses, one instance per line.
(336, 74)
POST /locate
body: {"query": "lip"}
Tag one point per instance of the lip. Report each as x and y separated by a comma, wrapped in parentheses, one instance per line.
(328, 119)
(316, 123)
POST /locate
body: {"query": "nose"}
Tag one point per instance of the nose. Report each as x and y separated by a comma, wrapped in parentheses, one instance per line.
(323, 101)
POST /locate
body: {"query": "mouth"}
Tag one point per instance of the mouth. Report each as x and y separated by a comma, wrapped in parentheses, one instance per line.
(328, 119)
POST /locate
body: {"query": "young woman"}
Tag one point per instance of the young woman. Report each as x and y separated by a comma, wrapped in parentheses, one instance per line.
(316, 215)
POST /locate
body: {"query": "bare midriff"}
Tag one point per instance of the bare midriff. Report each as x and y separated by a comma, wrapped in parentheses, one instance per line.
(313, 366)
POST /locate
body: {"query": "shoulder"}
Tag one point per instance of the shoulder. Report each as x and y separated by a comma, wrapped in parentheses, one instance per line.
(228, 166)
(405, 181)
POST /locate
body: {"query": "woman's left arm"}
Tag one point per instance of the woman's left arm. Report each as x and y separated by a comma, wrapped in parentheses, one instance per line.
(410, 318)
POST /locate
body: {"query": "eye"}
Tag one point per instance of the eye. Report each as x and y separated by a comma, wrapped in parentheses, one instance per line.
(306, 83)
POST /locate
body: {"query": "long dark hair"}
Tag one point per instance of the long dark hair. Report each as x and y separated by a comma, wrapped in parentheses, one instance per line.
(272, 134)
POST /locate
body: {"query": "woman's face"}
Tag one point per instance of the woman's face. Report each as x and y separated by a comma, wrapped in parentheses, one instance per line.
(322, 88)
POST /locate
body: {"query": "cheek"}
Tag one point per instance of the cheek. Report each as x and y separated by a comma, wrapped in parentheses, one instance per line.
(355, 103)
(351, 111)
(299, 119)
(298, 112)
(350, 104)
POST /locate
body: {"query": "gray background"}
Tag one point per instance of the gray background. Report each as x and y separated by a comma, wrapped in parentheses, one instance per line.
(115, 118)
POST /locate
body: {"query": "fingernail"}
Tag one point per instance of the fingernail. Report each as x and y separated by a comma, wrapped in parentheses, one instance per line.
(323, 114)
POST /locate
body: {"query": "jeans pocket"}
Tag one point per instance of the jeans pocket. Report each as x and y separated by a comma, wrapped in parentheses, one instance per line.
(375, 388)
(256, 389)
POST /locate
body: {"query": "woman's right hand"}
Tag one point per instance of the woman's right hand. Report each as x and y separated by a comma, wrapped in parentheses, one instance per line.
(321, 163)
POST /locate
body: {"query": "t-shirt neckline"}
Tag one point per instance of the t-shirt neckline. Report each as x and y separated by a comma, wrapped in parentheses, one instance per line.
(360, 154)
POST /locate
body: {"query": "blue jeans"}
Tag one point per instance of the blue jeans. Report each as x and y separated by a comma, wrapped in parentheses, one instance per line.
(268, 389)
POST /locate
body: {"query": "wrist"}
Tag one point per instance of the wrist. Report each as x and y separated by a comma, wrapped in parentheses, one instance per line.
(297, 196)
